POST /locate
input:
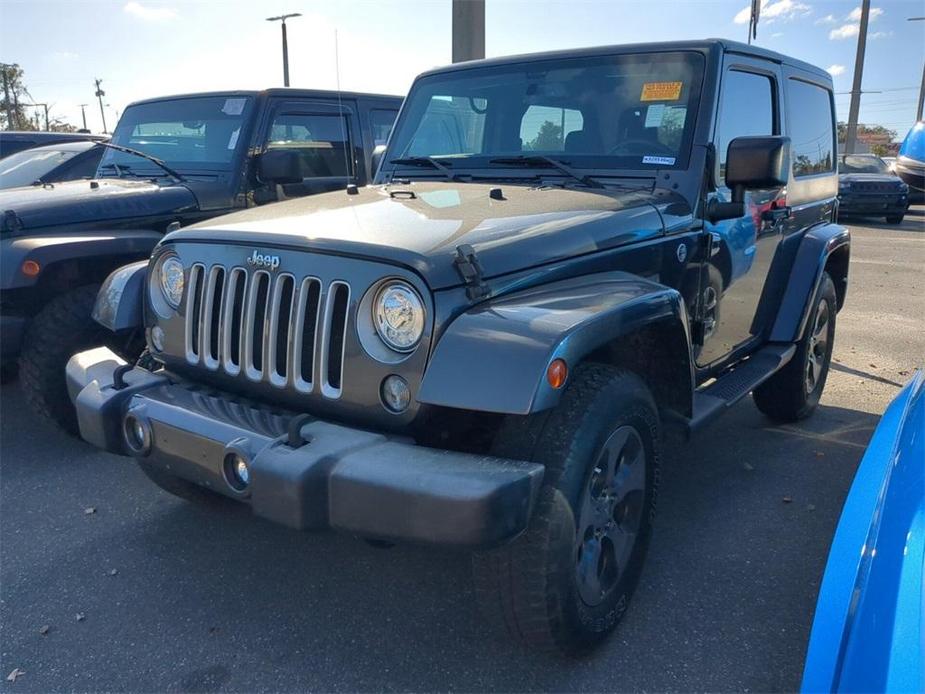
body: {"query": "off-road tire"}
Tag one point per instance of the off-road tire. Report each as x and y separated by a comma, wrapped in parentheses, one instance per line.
(786, 397)
(61, 329)
(181, 488)
(895, 219)
(530, 587)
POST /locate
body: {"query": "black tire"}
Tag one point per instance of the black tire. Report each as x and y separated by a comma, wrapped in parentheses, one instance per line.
(895, 219)
(793, 392)
(181, 488)
(542, 588)
(62, 328)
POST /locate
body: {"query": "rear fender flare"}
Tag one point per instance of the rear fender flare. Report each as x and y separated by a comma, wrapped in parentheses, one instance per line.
(494, 357)
(820, 245)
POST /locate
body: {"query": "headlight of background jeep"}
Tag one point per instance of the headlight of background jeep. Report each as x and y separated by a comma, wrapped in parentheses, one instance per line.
(398, 314)
(167, 284)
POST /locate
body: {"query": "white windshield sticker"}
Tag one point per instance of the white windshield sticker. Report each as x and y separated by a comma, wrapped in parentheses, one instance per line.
(654, 115)
(233, 107)
(664, 161)
(233, 140)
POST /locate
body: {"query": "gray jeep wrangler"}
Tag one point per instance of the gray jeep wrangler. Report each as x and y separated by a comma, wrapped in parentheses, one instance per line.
(563, 255)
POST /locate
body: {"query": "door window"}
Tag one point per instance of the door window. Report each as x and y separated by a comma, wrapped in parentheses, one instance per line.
(380, 121)
(812, 135)
(321, 141)
(747, 108)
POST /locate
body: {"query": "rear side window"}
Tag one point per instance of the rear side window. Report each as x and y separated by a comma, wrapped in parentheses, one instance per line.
(747, 108)
(381, 120)
(812, 135)
(321, 141)
(545, 128)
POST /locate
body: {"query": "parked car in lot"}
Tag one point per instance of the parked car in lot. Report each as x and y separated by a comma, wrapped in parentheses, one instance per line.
(172, 161)
(12, 141)
(66, 161)
(867, 633)
(563, 253)
(866, 186)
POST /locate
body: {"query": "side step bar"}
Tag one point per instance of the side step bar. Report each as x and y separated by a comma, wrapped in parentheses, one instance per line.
(712, 400)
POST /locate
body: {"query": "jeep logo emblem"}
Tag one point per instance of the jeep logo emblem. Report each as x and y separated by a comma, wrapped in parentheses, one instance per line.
(258, 260)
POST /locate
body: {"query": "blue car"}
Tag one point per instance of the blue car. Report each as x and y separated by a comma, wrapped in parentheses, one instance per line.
(867, 634)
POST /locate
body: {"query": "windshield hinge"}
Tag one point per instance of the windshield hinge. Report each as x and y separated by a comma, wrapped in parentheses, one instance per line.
(469, 268)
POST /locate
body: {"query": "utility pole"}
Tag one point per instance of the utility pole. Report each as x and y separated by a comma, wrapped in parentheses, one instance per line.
(282, 18)
(99, 95)
(6, 96)
(918, 112)
(851, 136)
(45, 106)
(468, 30)
(83, 114)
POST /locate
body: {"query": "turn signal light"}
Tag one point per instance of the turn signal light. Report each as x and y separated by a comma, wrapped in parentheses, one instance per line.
(557, 373)
(30, 268)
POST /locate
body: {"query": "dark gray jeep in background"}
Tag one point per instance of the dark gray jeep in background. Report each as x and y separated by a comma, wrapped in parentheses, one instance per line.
(563, 256)
(172, 161)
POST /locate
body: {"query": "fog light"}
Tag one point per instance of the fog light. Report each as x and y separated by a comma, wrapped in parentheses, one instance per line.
(157, 338)
(237, 472)
(137, 435)
(395, 393)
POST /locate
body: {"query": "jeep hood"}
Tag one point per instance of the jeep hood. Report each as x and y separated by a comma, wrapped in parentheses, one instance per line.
(420, 225)
(76, 204)
(869, 178)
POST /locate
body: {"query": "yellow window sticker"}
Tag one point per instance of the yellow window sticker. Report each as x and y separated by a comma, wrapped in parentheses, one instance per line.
(661, 91)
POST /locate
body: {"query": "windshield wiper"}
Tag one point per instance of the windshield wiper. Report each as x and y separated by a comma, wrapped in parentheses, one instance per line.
(540, 160)
(129, 150)
(427, 161)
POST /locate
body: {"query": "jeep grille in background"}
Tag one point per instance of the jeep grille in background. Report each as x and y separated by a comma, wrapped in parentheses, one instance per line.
(278, 328)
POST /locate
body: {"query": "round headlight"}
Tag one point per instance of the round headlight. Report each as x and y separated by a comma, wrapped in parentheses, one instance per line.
(398, 315)
(171, 279)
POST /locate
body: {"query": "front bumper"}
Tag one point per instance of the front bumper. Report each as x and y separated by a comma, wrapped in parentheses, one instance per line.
(365, 483)
(855, 203)
(11, 332)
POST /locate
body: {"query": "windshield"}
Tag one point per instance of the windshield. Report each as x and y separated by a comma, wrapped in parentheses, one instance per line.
(191, 135)
(26, 167)
(611, 112)
(853, 163)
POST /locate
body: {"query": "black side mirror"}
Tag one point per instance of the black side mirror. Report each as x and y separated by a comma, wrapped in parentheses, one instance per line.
(375, 159)
(757, 162)
(279, 166)
(752, 163)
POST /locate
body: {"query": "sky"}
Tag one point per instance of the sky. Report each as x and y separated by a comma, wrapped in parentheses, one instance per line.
(146, 48)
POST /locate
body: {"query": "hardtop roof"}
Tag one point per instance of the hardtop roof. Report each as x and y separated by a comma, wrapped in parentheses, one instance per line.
(702, 45)
(272, 91)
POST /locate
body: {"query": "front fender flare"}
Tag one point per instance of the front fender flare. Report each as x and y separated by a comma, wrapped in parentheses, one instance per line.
(816, 247)
(120, 302)
(494, 357)
(49, 248)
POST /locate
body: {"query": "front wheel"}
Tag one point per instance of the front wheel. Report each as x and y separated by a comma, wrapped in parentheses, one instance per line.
(793, 392)
(566, 582)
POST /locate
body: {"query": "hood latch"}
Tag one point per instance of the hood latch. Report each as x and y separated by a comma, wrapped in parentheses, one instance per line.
(469, 268)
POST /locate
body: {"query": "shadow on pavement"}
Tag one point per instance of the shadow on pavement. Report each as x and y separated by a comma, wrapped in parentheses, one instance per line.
(206, 601)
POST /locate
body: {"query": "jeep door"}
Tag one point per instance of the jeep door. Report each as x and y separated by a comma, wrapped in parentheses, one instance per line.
(742, 249)
(326, 137)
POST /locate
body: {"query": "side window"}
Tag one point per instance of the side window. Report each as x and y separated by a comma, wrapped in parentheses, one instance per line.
(545, 128)
(451, 125)
(321, 140)
(747, 108)
(380, 121)
(811, 133)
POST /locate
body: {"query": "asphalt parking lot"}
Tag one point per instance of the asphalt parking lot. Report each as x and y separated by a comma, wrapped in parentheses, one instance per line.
(148, 593)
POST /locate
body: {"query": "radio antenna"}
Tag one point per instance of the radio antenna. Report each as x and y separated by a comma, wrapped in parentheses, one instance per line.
(351, 190)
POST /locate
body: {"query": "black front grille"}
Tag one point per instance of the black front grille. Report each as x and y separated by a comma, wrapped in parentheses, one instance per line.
(275, 328)
(874, 187)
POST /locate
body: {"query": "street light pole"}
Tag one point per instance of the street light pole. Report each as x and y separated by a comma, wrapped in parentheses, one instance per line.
(83, 114)
(282, 18)
(45, 106)
(468, 30)
(851, 136)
